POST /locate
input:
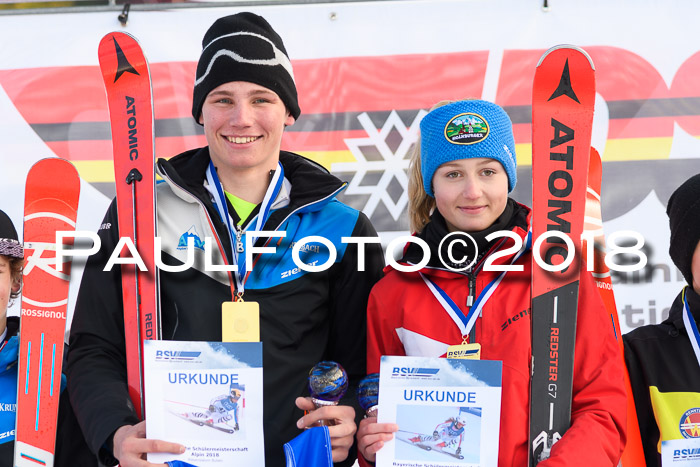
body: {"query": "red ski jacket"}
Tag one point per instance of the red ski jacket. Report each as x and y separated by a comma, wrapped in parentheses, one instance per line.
(404, 318)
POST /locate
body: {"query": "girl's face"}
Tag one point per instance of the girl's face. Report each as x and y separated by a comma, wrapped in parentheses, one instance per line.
(470, 193)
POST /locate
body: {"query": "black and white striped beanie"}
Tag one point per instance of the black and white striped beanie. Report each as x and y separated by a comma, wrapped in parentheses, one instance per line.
(244, 47)
(9, 244)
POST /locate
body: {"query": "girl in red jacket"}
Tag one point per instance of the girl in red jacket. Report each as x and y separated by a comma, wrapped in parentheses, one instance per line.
(460, 178)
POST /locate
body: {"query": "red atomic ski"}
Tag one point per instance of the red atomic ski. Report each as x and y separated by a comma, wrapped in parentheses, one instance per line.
(128, 85)
(633, 455)
(50, 205)
(563, 96)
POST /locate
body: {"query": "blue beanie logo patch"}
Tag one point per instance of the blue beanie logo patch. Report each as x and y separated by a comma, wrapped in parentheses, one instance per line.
(466, 128)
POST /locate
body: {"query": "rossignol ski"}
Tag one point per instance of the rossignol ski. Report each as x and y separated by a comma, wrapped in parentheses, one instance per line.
(128, 85)
(633, 455)
(563, 96)
(50, 205)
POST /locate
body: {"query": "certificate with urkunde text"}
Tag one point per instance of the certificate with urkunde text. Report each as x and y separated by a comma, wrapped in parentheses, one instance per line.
(208, 397)
(448, 411)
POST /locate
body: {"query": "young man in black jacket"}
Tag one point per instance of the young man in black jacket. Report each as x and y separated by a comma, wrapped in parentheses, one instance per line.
(244, 96)
(664, 359)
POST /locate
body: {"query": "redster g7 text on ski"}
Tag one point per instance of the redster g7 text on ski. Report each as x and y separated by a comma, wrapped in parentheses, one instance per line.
(553, 353)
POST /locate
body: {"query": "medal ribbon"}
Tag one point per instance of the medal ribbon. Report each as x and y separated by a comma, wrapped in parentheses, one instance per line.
(691, 327)
(466, 323)
(220, 204)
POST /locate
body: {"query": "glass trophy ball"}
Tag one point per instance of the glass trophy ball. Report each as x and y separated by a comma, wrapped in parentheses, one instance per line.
(328, 382)
(368, 393)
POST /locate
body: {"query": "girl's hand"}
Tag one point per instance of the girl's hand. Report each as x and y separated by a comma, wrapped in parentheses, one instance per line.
(371, 436)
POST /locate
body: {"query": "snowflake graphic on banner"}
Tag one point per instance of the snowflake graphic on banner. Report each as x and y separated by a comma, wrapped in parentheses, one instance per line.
(393, 163)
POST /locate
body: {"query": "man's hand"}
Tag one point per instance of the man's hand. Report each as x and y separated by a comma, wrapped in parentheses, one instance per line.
(372, 435)
(341, 433)
(131, 446)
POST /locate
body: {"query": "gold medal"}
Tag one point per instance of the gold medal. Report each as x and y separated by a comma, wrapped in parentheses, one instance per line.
(465, 351)
(240, 321)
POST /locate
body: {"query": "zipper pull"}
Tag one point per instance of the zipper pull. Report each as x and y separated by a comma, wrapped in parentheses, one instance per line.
(239, 243)
(472, 286)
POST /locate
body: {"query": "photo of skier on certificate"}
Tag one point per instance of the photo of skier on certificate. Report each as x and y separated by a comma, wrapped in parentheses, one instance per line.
(222, 413)
(447, 437)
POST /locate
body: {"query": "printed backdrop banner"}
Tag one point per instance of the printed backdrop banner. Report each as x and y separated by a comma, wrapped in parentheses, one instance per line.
(366, 74)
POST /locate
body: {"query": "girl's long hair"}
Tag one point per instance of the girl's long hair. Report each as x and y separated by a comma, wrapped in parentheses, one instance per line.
(420, 205)
(16, 265)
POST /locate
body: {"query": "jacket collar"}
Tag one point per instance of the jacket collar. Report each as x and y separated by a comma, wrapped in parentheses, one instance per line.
(12, 327)
(675, 317)
(309, 185)
(518, 222)
(312, 186)
(9, 348)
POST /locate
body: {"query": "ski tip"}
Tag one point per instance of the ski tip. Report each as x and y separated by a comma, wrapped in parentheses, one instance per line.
(55, 165)
(111, 36)
(120, 54)
(112, 43)
(567, 46)
(53, 179)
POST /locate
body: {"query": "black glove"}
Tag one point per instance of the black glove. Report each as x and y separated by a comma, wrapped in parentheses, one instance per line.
(435, 434)
(236, 427)
(458, 451)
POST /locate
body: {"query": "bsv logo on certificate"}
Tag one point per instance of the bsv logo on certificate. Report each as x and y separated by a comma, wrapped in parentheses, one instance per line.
(681, 452)
(208, 397)
(448, 411)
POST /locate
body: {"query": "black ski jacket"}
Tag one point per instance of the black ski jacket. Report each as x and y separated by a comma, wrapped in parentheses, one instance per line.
(665, 377)
(304, 317)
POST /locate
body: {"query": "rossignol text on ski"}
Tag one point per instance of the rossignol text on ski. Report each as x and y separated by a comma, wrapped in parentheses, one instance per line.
(51, 197)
